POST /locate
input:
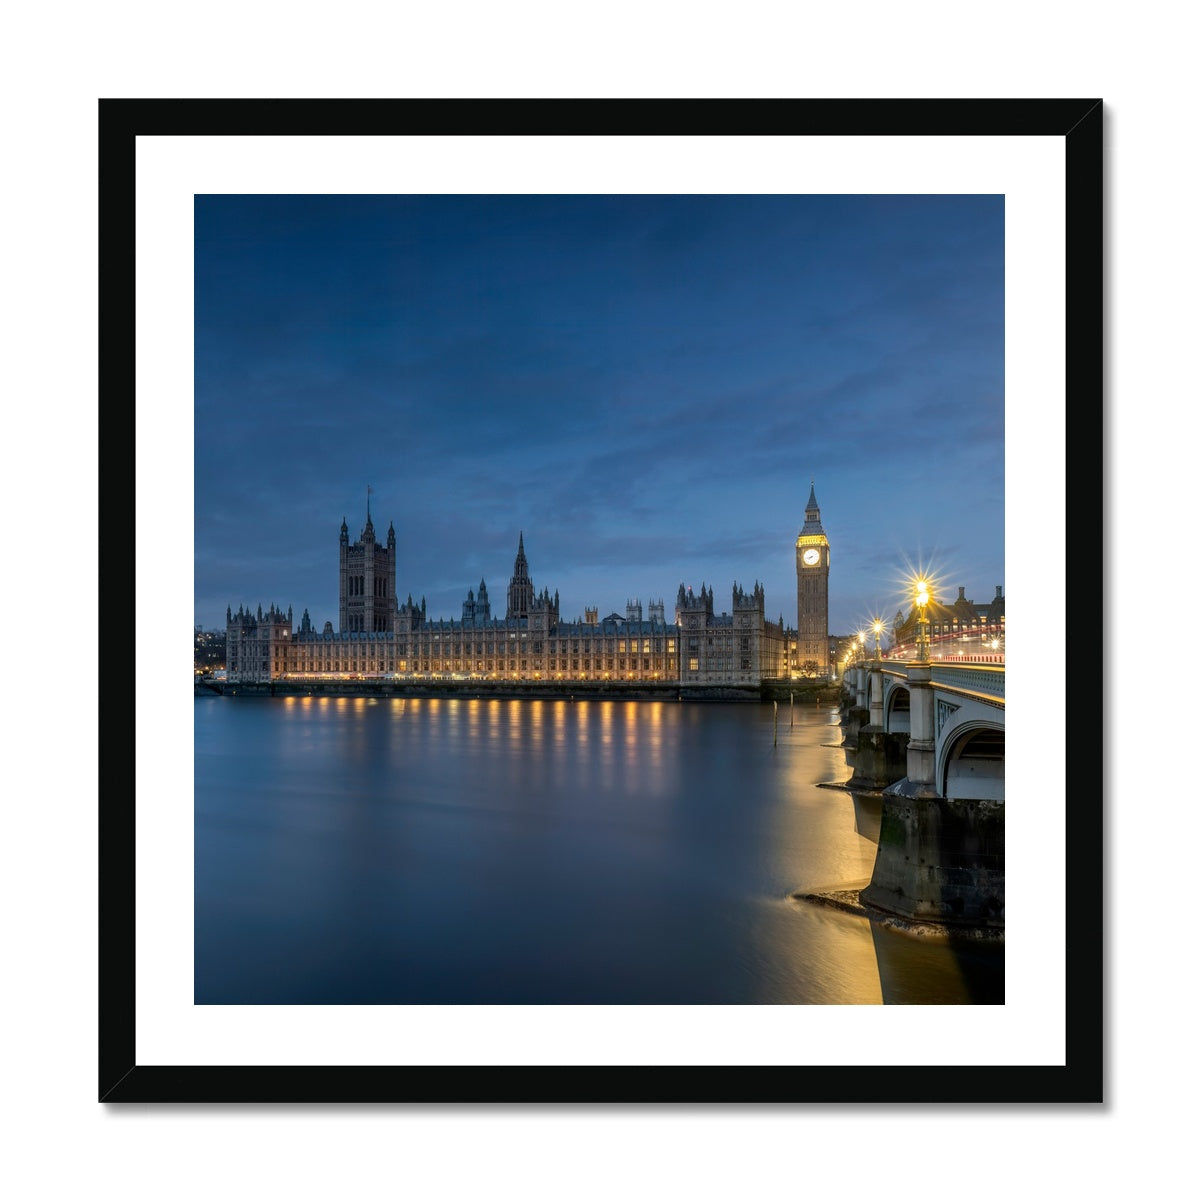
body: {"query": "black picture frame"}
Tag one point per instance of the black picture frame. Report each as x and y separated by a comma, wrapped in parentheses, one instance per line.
(1077, 123)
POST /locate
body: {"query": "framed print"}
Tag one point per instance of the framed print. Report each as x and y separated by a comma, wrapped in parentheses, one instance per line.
(603, 517)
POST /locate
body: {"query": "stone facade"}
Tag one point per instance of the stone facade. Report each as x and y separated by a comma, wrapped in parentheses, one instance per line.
(739, 647)
(256, 646)
(378, 637)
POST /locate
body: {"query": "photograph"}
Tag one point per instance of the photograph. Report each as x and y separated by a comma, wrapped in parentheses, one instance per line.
(599, 599)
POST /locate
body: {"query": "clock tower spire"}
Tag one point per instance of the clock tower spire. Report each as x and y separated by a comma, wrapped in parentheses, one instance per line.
(812, 591)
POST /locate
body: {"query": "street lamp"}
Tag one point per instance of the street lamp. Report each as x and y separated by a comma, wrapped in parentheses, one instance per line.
(923, 598)
(878, 627)
(861, 640)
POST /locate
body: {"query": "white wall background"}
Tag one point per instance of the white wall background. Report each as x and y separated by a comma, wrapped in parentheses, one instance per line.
(60, 59)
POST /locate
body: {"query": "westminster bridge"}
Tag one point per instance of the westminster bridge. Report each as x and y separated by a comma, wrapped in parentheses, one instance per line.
(929, 737)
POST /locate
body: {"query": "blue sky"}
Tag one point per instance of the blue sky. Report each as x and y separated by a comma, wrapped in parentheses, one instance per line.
(645, 385)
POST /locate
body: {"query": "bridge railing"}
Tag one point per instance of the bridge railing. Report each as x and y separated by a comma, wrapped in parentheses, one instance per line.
(909, 655)
(981, 679)
(970, 677)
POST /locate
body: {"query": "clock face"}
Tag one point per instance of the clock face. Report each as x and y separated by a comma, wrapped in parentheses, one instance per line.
(811, 557)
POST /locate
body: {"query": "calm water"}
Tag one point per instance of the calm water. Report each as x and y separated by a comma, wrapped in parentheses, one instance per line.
(360, 851)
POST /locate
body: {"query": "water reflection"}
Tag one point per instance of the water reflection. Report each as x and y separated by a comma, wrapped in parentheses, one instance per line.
(915, 970)
(868, 814)
(544, 851)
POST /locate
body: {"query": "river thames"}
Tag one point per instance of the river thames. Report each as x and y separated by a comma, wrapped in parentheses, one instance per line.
(527, 851)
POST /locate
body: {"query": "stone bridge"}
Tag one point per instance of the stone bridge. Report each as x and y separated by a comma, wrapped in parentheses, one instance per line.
(930, 737)
(964, 723)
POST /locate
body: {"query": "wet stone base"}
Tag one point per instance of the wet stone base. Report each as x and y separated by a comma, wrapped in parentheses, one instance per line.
(854, 789)
(850, 901)
(939, 861)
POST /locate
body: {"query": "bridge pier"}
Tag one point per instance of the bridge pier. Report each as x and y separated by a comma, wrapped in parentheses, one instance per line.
(938, 860)
(855, 720)
(855, 714)
(880, 758)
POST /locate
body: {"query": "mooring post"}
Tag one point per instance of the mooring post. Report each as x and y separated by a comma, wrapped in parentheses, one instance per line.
(776, 704)
(792, 703)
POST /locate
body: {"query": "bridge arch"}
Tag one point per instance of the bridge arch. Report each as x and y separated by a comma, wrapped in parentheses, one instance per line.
(897, 707)
(971, 760)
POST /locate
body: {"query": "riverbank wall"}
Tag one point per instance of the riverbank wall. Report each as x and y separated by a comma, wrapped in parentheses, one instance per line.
(798, 692)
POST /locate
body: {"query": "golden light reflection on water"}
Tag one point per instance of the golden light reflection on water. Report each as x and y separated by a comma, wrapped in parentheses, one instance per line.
(813, 843)
(868, 816)
(828, 957)
(537, 717)
(631, 732)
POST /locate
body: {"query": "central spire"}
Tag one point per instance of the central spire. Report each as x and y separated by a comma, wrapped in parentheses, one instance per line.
(520, 588)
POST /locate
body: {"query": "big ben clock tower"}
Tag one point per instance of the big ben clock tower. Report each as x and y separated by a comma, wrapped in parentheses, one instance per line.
(812, 591)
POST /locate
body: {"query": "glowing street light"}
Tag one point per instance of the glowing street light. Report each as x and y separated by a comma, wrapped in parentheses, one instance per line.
(877, 626)
(923, 598)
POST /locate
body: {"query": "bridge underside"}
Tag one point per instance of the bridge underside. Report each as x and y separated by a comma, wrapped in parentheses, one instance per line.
(975, 767)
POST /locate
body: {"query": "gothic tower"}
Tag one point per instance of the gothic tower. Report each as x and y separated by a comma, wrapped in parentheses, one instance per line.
(520, 588)
(812, 592)
(366, 581)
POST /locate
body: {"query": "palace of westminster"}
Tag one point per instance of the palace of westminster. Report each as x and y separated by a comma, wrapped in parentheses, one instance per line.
(378, 637)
